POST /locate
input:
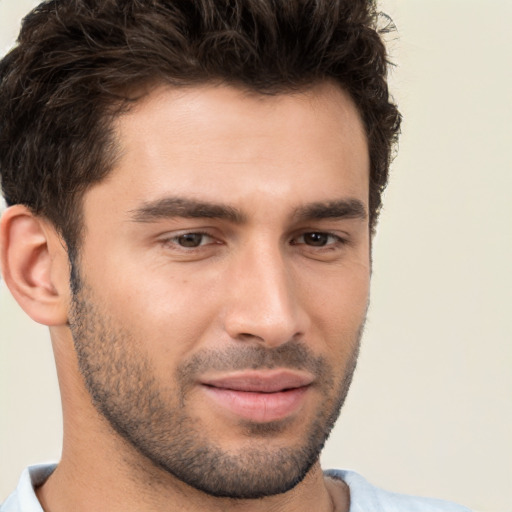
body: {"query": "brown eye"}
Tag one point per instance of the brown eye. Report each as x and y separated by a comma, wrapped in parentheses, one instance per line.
(190, 239)
(316, 239)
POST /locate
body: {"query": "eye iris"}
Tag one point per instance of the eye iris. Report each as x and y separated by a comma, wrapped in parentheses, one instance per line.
(190, 240)
(316, 239)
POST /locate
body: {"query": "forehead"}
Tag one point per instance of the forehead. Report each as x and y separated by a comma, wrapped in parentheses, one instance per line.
(217, 142)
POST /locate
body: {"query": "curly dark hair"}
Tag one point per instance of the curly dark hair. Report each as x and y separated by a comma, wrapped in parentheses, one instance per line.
(76, 62)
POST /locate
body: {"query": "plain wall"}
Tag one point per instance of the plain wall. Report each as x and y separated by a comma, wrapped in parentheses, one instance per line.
(430, 410)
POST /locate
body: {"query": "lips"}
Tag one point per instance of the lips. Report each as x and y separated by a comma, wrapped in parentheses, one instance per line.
(259, 396)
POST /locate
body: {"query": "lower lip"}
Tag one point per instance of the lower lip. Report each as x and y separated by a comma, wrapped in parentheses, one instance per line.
(258, 407)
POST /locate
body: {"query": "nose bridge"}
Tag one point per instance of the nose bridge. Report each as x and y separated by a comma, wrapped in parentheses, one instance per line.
(264, 304)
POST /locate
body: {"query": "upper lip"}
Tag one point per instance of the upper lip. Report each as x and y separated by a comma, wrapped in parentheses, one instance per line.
(260, 381)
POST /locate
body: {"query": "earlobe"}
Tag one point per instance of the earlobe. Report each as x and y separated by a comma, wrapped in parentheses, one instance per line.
(34, 265)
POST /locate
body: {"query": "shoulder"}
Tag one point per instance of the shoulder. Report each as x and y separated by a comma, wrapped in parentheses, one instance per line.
(365, 497)
(24, 498)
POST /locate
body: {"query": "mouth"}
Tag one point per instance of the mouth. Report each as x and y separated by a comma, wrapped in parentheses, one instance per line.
(259, 396)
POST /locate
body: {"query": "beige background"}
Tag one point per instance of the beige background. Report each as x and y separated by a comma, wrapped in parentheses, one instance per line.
(430, 409)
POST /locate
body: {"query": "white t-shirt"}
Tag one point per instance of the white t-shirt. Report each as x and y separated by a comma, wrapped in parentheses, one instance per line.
(364, 497)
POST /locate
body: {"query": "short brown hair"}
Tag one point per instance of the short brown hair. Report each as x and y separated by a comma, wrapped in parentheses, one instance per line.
(67, 78)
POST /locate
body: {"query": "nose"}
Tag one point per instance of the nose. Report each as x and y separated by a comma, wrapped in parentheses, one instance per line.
(264, 302)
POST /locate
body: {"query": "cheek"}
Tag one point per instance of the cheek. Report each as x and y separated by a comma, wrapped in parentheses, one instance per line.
(338, 308)
(166, 315)
(342, 291)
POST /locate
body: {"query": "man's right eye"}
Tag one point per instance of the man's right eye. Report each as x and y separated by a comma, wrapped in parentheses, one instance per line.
(191, 240)
(189, 245)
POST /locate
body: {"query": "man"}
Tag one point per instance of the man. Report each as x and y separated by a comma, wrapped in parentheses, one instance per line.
(192, 190)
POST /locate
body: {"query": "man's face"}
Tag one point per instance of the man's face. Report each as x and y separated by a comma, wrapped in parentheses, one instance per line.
(224, 278)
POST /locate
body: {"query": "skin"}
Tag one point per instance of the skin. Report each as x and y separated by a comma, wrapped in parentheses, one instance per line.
(258, 282)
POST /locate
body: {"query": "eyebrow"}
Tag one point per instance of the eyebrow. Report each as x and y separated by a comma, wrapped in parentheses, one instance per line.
(339, 209)
(170, 207)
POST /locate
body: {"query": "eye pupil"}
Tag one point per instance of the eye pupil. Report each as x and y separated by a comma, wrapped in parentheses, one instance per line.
(190, 239)
(316, 239)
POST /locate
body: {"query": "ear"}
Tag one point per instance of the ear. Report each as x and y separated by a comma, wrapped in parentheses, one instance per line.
(35, 265)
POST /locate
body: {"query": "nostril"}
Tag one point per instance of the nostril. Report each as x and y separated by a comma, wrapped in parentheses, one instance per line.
(248, 336)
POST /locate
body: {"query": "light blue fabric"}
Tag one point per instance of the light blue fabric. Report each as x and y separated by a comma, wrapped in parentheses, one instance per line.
(24, 499)
(364, 497)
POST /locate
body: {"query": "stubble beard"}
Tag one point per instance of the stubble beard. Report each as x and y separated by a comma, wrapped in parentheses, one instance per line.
(154, 420)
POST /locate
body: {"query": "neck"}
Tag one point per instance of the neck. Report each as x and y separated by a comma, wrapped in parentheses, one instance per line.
(85, 485)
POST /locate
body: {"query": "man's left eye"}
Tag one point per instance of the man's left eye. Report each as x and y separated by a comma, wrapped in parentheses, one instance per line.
(317, 239)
